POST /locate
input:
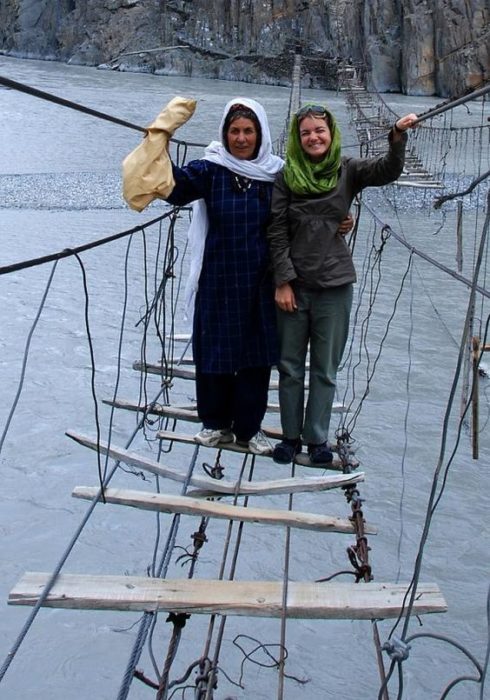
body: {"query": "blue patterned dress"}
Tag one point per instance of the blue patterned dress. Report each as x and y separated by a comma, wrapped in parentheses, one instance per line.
(234, 317)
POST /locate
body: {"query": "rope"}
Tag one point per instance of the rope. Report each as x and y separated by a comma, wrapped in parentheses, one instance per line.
(92, 369)
(26, 357)
(207, 684)
(154, 309)
(284, 602)
(447, 197)
(416, 251)
(68, 252)
(34, 92)
(45, 592)
(451, 104)
(433, 501)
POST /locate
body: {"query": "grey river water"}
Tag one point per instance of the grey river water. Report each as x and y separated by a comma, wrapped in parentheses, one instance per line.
(59, 188)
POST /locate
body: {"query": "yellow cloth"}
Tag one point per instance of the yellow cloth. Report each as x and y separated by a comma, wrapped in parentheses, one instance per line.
(147, 171)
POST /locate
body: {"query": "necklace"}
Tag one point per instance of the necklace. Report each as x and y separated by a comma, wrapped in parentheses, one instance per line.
(242, 183)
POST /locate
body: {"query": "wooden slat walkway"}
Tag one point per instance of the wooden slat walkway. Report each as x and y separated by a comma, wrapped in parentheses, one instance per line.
(348, 601)
(370, 120)
(221, 486)
(169, 503)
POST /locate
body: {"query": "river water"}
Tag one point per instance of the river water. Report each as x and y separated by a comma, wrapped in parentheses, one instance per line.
(60, 186)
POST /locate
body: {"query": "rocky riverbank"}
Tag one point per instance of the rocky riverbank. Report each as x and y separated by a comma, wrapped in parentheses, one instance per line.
(418, 47)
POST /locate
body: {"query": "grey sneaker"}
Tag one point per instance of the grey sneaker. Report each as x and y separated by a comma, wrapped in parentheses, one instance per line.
(211, 438)
(260, 445)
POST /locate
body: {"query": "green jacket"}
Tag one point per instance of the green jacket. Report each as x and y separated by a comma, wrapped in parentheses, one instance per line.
(302, 235)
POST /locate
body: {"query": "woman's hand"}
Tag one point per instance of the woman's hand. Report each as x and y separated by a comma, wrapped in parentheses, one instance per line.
(346, 225)
(285, 298)
(402, 124)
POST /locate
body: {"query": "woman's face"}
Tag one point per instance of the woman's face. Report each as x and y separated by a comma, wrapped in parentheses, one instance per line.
(242, 138)
(315, 137)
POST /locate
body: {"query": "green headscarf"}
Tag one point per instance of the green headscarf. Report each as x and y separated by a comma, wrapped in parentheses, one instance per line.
(301, 174)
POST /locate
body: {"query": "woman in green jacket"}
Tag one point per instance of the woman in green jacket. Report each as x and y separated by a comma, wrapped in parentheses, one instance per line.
(313, 268)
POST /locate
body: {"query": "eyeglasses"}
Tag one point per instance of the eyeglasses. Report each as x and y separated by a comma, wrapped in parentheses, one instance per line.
(316, 110)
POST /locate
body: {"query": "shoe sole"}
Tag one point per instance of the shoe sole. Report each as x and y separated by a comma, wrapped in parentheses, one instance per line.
(260, 452)
(214, 442)
(281, 461)
(318, 462)
(288, 461)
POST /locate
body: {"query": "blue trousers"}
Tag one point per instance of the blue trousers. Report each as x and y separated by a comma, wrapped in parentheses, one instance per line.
(322, 322)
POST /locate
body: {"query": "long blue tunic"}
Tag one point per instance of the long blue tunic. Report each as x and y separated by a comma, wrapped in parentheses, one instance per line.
(234, 317)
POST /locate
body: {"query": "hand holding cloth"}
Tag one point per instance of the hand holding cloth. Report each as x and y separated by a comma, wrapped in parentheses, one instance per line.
(147, 171)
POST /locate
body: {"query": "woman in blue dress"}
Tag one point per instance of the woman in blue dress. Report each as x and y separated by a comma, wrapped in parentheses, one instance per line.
(231, 287)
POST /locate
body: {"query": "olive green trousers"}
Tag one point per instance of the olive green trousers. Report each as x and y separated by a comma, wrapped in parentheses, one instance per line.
(321, 322)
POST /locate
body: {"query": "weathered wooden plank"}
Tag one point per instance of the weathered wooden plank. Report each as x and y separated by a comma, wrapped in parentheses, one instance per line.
(168, 503)
(336, 408)
(274, 408)
(152, 368)
(426, 185)
(188, 361)
(179, 337)
(302, 459)
(346, 601)
(189, 412)
(185, 414)
(180, 372)
(256, 488)
(173, 412)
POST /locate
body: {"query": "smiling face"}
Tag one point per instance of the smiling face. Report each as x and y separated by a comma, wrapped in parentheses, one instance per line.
(315, 137)
(241, 138)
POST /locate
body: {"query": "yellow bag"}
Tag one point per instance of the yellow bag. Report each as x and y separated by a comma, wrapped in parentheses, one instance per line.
(147, 171)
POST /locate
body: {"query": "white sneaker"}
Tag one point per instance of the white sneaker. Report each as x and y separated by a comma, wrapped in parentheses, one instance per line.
(260, 445)
(210, 437)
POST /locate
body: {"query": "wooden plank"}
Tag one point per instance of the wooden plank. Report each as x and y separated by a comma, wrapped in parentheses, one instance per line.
(336, 408)
(180, 372)
(168, 503)
(336, 464)
(182, 361)
(339, 601)
(171, 370)
(189, 415)
(179, 337)
(222, 486)
(189, 412)
(302, 459)
(426, 185)
(173, 412)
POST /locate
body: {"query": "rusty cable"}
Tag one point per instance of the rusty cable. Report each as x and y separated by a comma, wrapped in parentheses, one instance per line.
(178, 620)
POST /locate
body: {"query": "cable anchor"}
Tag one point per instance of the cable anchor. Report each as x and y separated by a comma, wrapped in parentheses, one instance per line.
(397, 649)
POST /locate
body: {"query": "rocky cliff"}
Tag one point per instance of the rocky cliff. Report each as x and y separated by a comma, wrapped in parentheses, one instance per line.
(421, 47)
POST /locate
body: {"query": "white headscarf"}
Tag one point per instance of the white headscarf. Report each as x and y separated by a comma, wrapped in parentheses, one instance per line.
(264, 167)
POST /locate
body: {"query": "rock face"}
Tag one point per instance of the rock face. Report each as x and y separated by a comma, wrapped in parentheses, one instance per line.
(419, 47)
